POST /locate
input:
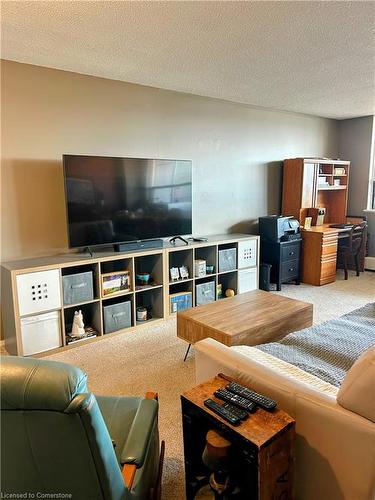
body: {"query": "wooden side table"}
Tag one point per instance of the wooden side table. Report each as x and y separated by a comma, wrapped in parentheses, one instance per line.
(262, 451)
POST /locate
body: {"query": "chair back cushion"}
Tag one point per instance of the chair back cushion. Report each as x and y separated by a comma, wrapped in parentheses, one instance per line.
(53, 434)
(35, 384)
(357, 390)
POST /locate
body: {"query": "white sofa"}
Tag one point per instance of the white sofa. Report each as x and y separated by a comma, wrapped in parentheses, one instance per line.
(335, 446)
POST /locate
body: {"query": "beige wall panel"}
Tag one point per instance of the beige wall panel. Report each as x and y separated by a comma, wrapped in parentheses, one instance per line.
(236, 149)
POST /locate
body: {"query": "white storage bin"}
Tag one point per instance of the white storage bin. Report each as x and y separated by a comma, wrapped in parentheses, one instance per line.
(247, 253)
(40, 333)
(247, 280)
(38, 291)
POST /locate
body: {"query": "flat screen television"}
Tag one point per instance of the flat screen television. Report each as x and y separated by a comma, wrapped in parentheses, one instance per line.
(114, 200)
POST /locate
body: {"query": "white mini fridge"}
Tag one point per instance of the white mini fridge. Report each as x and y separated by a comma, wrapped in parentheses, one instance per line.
(40, 333)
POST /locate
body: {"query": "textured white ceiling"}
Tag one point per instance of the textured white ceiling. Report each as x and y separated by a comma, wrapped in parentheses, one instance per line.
(309, 57)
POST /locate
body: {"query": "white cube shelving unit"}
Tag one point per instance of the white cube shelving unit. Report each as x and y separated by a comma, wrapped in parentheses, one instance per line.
(35, 319)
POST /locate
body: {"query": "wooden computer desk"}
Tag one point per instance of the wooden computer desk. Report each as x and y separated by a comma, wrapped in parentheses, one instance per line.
(319, 253)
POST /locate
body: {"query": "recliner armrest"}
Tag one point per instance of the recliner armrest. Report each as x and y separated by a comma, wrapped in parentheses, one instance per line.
(135, 448)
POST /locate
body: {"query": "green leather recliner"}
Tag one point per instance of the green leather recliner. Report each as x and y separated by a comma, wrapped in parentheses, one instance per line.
(57, 438)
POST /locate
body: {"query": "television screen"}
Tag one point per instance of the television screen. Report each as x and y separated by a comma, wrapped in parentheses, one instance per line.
(114, 200)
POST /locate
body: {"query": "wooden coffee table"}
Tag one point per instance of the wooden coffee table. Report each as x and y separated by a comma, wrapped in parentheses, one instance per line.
(247, 319)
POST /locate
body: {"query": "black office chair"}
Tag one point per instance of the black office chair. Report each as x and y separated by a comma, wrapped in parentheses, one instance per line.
(352, 246)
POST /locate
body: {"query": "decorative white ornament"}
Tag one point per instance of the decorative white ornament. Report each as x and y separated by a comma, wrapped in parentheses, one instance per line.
(78, 328)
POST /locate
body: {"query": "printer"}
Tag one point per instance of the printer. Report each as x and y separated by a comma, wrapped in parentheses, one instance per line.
(276, 228)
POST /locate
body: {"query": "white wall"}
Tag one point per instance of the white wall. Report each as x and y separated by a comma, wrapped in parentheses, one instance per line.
(237, 150)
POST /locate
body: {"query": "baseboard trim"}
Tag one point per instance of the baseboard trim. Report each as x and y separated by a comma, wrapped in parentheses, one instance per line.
(370, 263)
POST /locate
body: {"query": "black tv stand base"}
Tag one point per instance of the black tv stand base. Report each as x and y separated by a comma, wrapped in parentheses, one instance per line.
(138, 245)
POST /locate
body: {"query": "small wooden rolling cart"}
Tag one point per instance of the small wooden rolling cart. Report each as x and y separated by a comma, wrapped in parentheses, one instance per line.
(262, 447)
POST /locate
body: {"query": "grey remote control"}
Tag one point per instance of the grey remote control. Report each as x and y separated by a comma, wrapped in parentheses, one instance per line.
(235, 399)
(242, 414)
(219, 410)
(263, 401)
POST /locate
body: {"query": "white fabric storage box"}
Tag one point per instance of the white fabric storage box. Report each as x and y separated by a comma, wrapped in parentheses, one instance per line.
(78, 288)
(205, 293)
(117, 316)
(39, 291)
(227, 259)
(247, 280)
(247, 253)
(40, 333)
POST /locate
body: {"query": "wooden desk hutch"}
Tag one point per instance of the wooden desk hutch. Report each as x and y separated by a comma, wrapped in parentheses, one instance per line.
(319, 183)
(302, 188)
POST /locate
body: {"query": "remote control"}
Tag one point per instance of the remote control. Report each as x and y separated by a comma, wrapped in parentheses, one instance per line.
(235, 399)
(219, 410)
(263, 401)
(198, 239)
(242, 414)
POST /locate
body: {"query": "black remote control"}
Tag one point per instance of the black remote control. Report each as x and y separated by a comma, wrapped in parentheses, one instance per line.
(198, 239)
(219, 410)
(263, 401)
(235, 399)
(242, 414)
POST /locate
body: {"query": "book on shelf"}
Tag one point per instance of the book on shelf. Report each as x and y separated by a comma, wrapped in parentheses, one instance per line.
(89, 333)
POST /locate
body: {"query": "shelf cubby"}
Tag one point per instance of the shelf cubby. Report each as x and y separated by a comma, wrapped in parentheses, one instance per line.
(181, 258)
(115, 301)
(199, 294)
(226, 246)
(84, 268)
(325, 169)
(181, 287)
(152, 264)
(228, 280)
(152, 300)
(113, 266)
(334, 201)
(222, 264)
(91, 318)
(209, 254)
(343, 179)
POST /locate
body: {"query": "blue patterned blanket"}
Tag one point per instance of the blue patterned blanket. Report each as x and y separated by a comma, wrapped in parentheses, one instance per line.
(328, 350)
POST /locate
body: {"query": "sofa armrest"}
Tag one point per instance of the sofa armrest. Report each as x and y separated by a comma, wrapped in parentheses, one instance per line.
(331, 441)
(135, 448)
(212, 357)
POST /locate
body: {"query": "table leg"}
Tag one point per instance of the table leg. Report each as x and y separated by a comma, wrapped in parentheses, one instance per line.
(187, 352)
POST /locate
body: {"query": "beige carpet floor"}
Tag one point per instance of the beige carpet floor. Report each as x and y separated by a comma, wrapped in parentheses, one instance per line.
(152, 359)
